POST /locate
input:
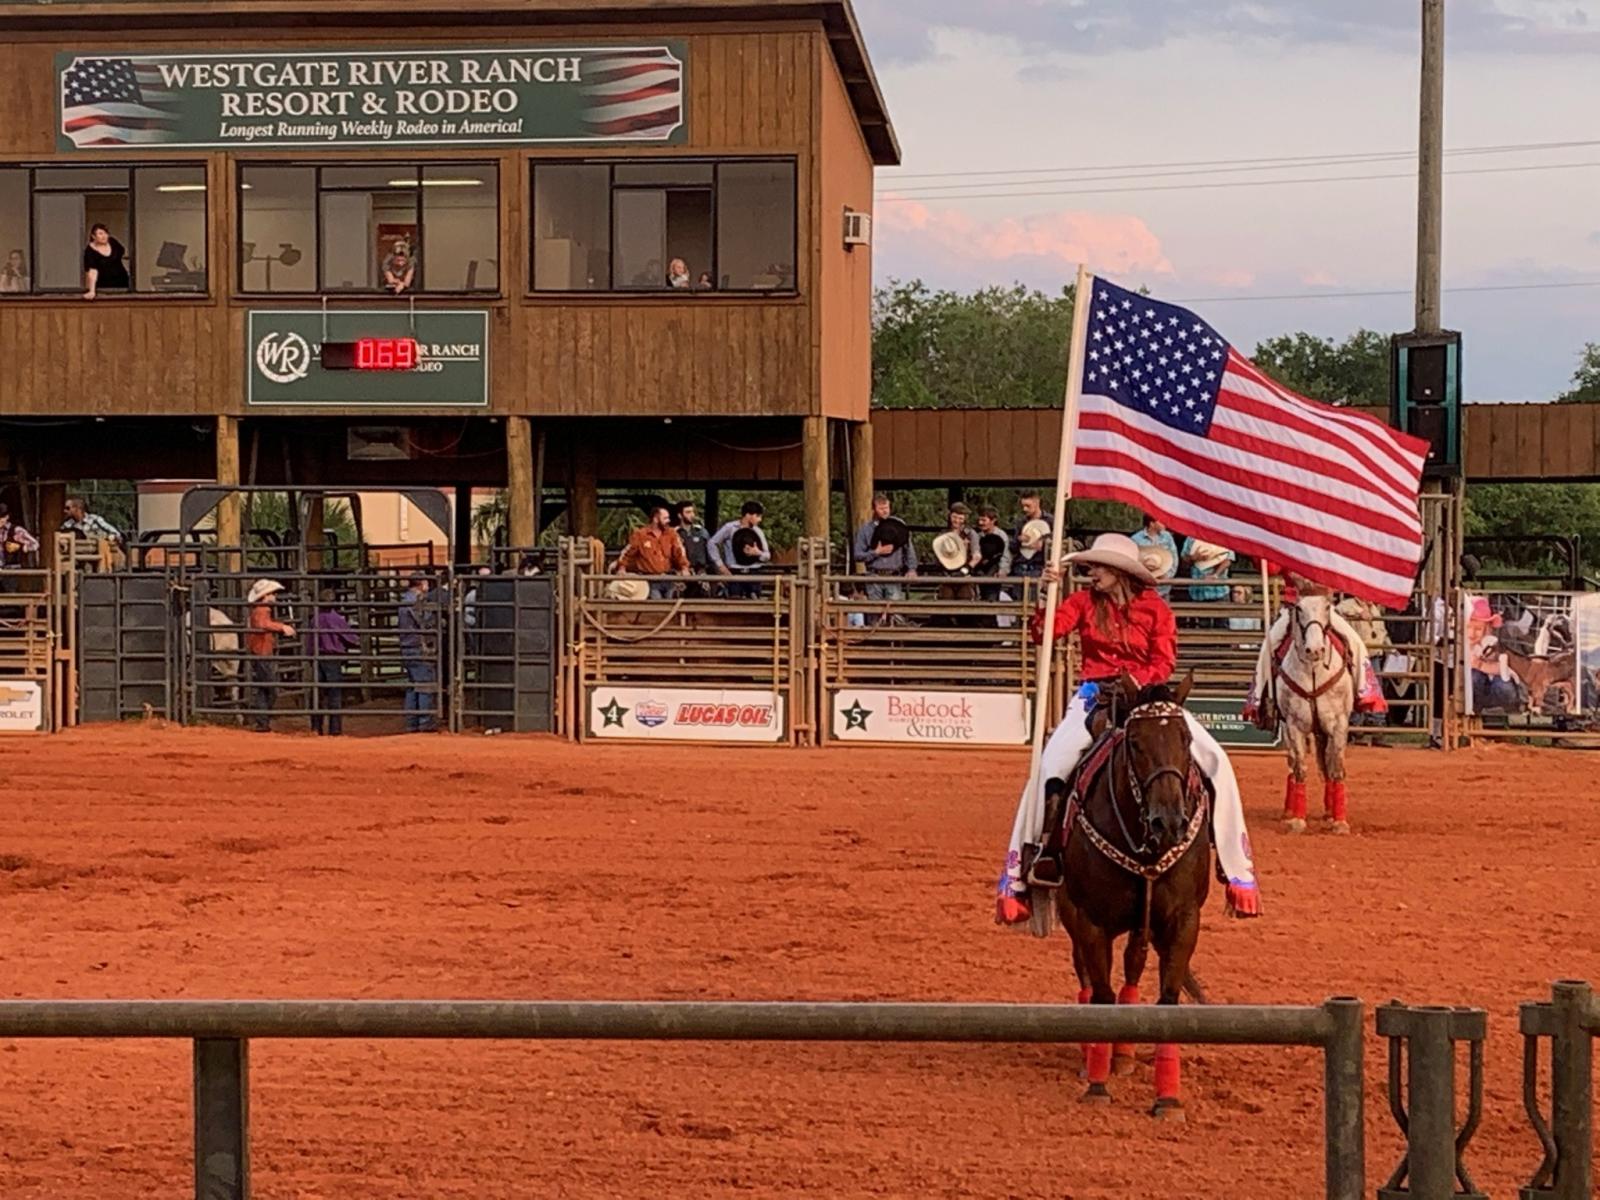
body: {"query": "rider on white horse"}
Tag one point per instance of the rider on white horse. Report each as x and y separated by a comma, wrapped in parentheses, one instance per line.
(1123, 626)
(1261, 705)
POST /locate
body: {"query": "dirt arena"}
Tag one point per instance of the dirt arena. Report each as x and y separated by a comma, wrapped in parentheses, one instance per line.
(139, 862)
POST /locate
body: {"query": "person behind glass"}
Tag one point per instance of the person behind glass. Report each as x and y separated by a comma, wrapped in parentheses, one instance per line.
(705, 283)
(398, 269)
(333, 639)
(728, 559)
(678, 274)
(1028, 559)
(103, 263)
(1123, 627)
(883, 559)
(418, 619)
(14, 275)
(261, 643)
(655, 550)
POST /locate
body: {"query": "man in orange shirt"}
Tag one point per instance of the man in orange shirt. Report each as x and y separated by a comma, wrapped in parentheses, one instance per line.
(655, 550)
(261, 642)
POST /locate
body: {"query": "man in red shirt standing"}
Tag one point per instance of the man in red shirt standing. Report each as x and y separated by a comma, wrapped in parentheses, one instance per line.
(261, 642)
(1123, 626)
(656, 550)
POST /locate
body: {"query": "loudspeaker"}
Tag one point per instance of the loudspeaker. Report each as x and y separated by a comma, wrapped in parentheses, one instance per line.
(1431, 423)
(1425, 396)
(1425, 382)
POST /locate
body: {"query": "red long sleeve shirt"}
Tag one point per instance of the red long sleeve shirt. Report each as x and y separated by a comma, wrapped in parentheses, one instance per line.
(1143, 640)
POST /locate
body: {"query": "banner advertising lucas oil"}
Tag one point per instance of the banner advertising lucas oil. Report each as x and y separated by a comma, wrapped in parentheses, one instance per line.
(687, 714)
(930, 718)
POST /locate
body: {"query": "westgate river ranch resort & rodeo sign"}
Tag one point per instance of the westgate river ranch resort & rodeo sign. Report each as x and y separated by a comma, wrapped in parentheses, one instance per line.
(284, 353)
(110, 100)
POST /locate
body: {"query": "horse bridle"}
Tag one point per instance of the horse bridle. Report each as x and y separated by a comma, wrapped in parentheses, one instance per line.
(1304, 627)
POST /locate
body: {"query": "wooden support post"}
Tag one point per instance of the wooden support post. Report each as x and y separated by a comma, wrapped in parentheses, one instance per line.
(52, 502)
(316, 529)
(862, 481)
(814, 472)
(520, 500)
(583, 512)
(461, 536)
(228, 519)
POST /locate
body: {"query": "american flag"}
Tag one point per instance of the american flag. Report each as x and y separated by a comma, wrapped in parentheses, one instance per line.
(115, 102)
(1177, 422)
(633, 94)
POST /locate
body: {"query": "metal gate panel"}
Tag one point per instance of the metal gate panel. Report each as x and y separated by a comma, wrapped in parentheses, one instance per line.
(126, 651)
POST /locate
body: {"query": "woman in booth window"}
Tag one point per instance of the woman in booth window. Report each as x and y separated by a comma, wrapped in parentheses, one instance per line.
(103, 262)
(14, 275)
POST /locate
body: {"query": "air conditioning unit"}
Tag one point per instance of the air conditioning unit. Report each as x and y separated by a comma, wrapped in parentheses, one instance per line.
(857, 228)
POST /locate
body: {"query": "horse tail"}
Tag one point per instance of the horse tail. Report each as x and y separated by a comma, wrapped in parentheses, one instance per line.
(1192, 988)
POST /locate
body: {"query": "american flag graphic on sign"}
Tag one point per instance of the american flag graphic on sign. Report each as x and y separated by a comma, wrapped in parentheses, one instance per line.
(116, 102)
(633, 93)
(1177, 422)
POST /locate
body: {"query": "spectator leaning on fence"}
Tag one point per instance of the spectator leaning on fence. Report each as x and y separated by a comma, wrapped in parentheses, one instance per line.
(725, 559)
(655, 549)
(261, 643)
(418, 620)
(881, 556)
(334, 640)
(15, 541)
(82, 523)
(1153, 535)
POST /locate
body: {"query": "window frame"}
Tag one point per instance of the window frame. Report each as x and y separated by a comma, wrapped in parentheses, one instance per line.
(614, 290)
(417, 167)
(131, 191)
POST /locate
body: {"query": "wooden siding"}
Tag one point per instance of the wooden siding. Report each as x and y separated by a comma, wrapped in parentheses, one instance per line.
(843, 313)
(1507, 442)
(750, 93)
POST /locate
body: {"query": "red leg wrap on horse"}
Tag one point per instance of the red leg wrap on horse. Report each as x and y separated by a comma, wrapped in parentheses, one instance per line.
(1128, 995)
(1169, 1072)
(1334, 801)
(1294, 800)
(1099, 1062)
(1085, 995)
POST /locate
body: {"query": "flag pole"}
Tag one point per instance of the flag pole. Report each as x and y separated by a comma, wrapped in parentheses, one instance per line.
(1082, 300)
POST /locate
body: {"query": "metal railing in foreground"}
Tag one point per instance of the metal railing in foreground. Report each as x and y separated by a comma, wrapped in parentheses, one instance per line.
(1570, 1021)
(221, 1031)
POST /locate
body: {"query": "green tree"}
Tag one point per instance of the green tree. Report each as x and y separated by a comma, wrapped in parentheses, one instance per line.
(1354, 371)
(1585, 387)
(993, 348)
(1512, 510)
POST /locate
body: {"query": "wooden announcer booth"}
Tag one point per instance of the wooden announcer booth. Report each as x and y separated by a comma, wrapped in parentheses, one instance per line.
(554, 245)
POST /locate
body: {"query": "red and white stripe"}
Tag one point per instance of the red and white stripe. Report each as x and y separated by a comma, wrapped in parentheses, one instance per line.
(634, 95)
(1329, 493)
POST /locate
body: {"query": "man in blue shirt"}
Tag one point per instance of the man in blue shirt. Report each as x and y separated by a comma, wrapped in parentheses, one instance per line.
(1154, 534)
(883, 561)
(724, 560)
(1206, 561)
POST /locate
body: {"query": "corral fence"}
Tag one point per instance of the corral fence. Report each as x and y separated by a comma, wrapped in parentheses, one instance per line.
(38, 653)
(221, 1033)
(1569, 1022)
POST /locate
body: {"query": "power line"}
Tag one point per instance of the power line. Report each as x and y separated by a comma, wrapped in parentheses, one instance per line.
(1242, 183)
(1487, 287)
(1313, 159)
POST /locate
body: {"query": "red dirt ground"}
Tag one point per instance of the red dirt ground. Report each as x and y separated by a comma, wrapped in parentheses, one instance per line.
(148, 862)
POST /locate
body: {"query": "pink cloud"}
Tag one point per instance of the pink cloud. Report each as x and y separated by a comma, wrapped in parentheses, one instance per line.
(1111, 242)
(1319, 279)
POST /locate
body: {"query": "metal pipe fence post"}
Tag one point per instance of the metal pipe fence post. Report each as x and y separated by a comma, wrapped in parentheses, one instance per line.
(221, 1119)
(1572, 1090)
(1345, 1132)
(1435, 1151)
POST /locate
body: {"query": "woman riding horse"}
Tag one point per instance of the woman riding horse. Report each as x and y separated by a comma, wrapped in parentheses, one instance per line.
(1123, 627)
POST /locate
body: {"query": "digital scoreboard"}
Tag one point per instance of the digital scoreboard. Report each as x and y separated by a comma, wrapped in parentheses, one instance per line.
(371, 354)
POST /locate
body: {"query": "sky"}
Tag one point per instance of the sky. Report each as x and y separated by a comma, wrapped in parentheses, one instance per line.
(1112, 113)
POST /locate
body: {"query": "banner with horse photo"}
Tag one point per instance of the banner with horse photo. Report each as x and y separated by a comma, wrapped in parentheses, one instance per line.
(1521, 655)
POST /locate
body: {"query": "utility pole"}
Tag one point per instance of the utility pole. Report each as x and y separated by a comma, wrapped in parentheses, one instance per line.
(1430, 169)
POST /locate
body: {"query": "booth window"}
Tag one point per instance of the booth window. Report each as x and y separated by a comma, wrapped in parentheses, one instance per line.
(384, 228)
(158, 214)
(664, 225)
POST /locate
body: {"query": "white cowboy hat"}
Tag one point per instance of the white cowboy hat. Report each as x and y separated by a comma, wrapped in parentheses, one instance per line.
(1158, 560)
(950, 548)
(1116, 550)
(261, 589)
(627, 589)
(1032, 536)
(1207, 555)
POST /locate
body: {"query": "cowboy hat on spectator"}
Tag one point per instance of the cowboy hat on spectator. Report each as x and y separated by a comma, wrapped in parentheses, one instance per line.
(261, 589)
(1158, 560)
(1115, 550)
(950, 548)
(1207, 556)
(627, 589)
(1032, 537)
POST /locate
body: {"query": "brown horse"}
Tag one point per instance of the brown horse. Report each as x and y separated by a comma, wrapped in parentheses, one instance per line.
(1137, 863)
